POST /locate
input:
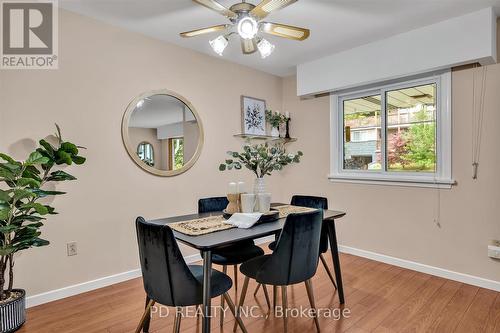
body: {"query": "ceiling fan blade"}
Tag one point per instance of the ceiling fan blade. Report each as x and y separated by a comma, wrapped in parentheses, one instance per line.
(202, 31)
(214, 5)
(248, 46)
(285, 31)
(267, 6)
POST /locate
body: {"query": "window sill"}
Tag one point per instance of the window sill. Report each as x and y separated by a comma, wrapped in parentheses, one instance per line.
(393, 181)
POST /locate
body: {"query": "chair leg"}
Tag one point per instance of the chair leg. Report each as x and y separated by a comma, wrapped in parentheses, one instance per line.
(256, 290)
(285, 306)
(266, 295)
(242, 299)
(230, 304)
(221, 323)
(310, 294)
(236, 280)
(177, 322)
(145, 315)
(323, 261)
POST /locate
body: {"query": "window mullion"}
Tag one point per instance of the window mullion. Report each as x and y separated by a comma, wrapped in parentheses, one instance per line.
(383, 131)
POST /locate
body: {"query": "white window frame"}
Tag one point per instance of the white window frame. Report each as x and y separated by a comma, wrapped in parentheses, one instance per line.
(442, 178)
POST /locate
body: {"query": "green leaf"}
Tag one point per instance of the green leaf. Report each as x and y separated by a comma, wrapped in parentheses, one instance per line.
(60, 176)
(63, 157)
(70, 148)
(4, 196)
(7, 158)
(33, 183)
(40, 242)
(48, 147)
(36, 158)
(4, 213)
(7, 229)
(20, 194)
(78, 160)
(39, 208)
(43, 193)
(222, 167)
(7, 250)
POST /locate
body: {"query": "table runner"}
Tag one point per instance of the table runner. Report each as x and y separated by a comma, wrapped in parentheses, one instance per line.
(286, 210)
(201, 226)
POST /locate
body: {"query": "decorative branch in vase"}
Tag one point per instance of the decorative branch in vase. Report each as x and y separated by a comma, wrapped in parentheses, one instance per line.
(275, 119)
(22, 216)
(262, 160)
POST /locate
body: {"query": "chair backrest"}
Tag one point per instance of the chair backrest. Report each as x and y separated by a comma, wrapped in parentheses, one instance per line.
(296, 255)
(319, 203)
(167, 279)
(215, 204)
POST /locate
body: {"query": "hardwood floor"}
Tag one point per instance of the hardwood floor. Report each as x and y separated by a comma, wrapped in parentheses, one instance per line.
(380, 298)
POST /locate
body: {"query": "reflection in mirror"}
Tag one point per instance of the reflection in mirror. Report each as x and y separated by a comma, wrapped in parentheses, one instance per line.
(146, 153)
(165, 131)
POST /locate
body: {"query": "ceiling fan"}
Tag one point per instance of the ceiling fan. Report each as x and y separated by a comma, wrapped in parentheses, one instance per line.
(246, 21)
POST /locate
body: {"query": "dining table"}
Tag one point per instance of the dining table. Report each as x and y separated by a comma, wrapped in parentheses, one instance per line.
(208, 242)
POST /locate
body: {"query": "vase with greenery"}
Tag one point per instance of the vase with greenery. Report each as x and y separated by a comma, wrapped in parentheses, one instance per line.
(275, 119)
(262, 160)
(22, 215)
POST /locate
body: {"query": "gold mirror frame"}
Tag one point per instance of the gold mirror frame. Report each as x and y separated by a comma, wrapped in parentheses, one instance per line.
(132, 150)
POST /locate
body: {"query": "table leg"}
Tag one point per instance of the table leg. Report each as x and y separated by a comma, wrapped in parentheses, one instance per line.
(207, 274)
(332, 235)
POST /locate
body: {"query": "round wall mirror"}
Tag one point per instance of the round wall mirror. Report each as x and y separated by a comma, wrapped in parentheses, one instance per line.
(162, 133)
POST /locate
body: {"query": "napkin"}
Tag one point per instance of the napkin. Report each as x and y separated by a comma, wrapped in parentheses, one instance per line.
(244, 220)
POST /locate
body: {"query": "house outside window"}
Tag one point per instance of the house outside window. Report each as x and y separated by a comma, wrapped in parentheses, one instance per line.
(398, 134)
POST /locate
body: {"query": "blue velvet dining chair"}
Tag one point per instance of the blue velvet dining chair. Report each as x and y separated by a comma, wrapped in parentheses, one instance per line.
(294, 260)
(234, 254)
(168, 280)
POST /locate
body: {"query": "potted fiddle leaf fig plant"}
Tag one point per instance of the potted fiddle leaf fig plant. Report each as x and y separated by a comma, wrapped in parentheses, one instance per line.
(262, 160)
(22, 215)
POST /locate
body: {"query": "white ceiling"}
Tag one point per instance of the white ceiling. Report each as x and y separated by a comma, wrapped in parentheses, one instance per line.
(335, 25)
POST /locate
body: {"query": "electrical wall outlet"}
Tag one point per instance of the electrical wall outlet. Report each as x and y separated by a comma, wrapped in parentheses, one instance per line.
(494, 249)
(72, 249)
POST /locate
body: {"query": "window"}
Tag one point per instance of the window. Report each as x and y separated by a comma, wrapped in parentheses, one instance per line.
(177, 150)
(398, 134)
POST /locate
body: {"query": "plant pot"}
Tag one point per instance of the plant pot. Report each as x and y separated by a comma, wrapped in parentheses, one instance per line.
(275, 132)
(13, 313)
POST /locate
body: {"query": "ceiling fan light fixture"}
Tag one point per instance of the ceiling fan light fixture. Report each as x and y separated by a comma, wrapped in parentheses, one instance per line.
(219, 44)
(265, 48)
(247, 27)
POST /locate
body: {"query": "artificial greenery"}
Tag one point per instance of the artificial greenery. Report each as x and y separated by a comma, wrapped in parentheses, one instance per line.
(261, 159)
(275, 118)
(21, 214)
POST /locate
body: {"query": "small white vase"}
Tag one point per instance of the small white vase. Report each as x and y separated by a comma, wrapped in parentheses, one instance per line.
(259, 186)
(275, 132)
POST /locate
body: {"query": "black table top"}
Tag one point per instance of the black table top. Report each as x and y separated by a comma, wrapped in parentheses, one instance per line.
(216, 239)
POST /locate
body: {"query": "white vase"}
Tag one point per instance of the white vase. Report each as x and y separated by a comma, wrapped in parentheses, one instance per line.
(259, 186)
(275, 132)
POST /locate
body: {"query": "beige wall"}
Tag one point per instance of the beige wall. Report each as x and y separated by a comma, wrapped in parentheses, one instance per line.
(399, 221)
(102, 69)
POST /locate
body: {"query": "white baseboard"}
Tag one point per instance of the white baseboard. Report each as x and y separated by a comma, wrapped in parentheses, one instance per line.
(76, 289)
(444, 273)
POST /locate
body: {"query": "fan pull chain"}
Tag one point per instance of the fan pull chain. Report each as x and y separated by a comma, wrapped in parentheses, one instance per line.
(477, 121)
